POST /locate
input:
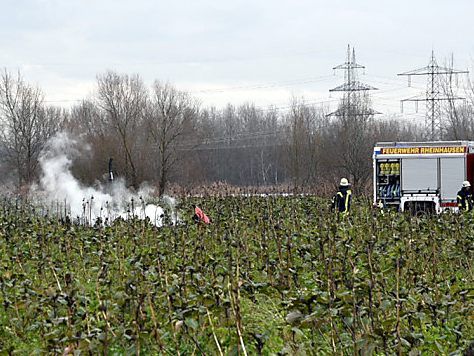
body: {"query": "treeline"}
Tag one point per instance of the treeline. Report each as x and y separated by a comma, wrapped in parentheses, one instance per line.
(163, 136)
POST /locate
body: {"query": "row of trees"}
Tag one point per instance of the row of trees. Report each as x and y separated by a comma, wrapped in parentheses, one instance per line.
(161, 135)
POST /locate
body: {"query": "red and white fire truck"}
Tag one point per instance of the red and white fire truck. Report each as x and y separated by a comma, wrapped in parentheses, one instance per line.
(421, 176)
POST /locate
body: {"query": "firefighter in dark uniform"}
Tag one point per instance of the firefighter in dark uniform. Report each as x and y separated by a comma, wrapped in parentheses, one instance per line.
(464, 197)
(341, 202)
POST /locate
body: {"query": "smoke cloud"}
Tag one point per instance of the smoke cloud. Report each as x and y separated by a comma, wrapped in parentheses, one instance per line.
(106, 202)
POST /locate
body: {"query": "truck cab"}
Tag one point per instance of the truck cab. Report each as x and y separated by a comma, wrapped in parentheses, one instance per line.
(421, 177)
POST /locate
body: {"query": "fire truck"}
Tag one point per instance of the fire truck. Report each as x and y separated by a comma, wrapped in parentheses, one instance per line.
(421, 177)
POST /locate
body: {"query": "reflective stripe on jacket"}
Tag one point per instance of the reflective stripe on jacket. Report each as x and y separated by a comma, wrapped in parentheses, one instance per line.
(464, 200)
(342, 200)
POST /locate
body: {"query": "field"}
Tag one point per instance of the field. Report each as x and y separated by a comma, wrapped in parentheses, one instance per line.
(271, 275)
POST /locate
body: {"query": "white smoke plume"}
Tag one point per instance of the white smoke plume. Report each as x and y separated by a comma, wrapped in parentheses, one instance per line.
(106, 202)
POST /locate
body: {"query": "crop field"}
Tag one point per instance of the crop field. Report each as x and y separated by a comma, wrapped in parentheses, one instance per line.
(270, 275)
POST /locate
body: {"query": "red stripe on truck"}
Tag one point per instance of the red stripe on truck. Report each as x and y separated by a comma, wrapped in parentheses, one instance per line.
(444, 205)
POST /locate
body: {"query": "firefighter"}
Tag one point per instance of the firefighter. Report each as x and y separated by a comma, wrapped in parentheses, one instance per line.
(341, 202)
(465, 197)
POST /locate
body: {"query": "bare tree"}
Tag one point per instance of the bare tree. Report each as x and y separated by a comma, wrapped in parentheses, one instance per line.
(85, 118)
(393, 129)
(305, 125)
(349, 141)
(171, 116)
(269, 162)
(26, 125)
(455, 124)
(296, 150)
(122, 99)
(87, 121)
(241, 145)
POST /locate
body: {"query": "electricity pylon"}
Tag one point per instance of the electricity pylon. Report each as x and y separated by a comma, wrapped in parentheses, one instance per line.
(352, 88)
(434, 94)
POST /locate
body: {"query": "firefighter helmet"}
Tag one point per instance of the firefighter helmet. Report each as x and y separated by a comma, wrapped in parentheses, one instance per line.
(344, 182)
(466, 184)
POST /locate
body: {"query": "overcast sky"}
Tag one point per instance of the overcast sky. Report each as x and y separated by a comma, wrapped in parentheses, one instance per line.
(236, 51)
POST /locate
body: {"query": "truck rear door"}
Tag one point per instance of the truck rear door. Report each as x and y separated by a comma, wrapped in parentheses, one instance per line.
(452, 175)
(419, 174)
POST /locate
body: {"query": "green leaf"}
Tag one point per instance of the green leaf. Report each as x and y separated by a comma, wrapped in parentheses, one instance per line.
(192, 323)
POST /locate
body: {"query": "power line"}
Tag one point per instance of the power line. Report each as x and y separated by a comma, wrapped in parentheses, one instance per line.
(227, 147)
(63, 101)
(239, 137)
(246, 87)
(264, 86)
(305, 102)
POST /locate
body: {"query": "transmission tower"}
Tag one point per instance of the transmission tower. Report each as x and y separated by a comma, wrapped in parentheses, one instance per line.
(352, 88)
(434, 94)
